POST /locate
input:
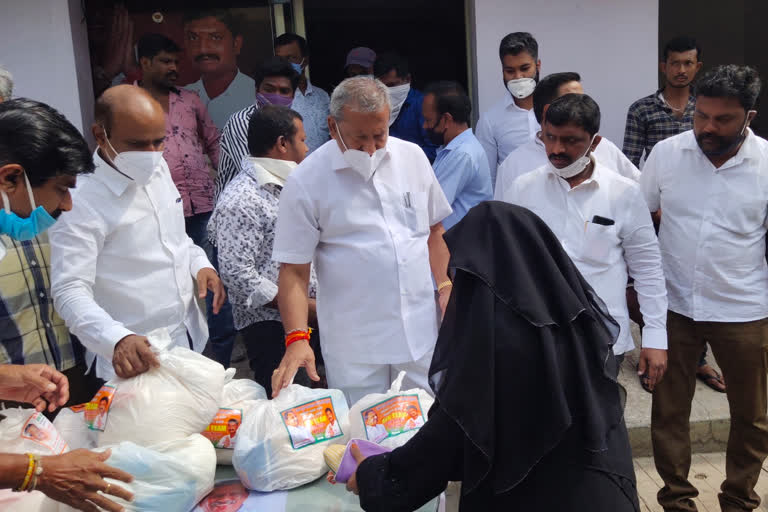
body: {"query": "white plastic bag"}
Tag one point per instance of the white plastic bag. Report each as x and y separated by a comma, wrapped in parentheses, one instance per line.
(168, 477)
(72, 427)
(237, 400)
(392, 418)
(171, 402)
(281, 442)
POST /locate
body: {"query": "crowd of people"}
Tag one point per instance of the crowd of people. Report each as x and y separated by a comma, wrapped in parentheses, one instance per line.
(314, 227)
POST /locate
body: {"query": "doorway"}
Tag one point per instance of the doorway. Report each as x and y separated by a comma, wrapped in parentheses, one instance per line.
(431, 34)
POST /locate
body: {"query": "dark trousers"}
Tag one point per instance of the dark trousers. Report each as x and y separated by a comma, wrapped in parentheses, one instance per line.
(221, 327)
(265, 344)
(740, 348)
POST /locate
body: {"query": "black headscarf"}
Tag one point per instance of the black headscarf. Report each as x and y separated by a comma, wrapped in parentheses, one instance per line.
(524, 352)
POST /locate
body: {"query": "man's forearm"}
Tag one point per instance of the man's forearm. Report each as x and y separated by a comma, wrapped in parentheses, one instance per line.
(13, 468)
(438, 253)
(292, 298)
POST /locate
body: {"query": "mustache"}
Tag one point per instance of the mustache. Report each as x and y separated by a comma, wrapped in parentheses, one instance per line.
(202, 56)
(172, 75)
(559, 156)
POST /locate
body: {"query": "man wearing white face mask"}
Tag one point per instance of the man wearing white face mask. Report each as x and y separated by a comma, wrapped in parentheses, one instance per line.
(510, 123)
(367, 209)
(406, 121)
(122, 262)
(603, 223)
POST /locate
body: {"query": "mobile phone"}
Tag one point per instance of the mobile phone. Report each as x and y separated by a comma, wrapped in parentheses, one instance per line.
(602, 221)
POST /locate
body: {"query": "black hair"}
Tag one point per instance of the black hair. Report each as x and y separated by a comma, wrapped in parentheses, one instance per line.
(151, 44)
(328, 409)
(388, 61)
(276, 66)
(42, 141)
(731, 81)
(104, 399)
(546, 90)
(223, 15)
(289, 38)
(411, 407)
(681, 44)
(578, 109)
(232, 419)
(517, 43)
(266, 125)
(450, 97)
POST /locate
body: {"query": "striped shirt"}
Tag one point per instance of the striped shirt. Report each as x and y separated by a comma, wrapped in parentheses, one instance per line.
(649, 121)
(30, 330)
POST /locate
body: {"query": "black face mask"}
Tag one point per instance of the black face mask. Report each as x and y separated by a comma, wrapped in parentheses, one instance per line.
(436, 137)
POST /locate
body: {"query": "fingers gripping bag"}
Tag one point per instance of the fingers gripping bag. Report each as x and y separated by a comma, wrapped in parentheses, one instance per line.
(281, 442)
(168, 477)
(173, 401)
(27, 431)
(237, 400)
(390, 419)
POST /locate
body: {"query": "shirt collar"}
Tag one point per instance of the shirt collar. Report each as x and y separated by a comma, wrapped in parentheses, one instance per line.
(748, 149)
(509, 103)
(310, 89)
(458, 140)
(268, 170)
(115, 181)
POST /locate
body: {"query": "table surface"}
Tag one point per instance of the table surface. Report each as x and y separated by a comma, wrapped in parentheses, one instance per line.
(318, 496)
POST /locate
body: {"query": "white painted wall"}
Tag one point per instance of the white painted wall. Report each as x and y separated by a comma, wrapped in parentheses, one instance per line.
(613, 44)
(45, 47)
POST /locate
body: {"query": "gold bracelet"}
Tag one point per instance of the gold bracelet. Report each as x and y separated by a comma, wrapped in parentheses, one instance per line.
(30, 469)
(36, 474)
(444, 284)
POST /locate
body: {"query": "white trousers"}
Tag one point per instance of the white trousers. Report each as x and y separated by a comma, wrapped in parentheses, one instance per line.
(359, 379)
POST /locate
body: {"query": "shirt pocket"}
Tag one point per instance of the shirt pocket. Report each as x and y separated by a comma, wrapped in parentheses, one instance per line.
(597, 243)
(415, 205)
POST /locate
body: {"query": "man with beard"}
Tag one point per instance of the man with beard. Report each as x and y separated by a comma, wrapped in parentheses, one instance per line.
(668, 111)
(510, 122)
(213, 42)
(711, 184)
(461, 166)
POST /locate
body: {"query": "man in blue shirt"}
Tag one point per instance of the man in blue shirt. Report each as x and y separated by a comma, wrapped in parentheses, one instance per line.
(405, 121)
(461, 165)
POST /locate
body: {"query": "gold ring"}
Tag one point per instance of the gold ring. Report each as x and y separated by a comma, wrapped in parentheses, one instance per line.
(274, 372)
(106, 491)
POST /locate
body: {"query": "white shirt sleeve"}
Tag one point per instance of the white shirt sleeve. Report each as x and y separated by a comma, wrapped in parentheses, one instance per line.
(197, 259)
(649, 182)
(643, 257)
(502, 181)
(438, 206)
(297, 231)
(76, 240)
(626, 168)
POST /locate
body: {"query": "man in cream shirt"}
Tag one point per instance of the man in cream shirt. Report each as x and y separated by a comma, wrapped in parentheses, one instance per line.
(367, 208)
(122, 263)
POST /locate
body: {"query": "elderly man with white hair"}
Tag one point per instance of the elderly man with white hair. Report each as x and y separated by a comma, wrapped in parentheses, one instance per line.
(6, 85)
(367, 209)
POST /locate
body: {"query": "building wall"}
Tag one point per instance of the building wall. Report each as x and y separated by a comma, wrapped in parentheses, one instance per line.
(45, 47)
(611, 43)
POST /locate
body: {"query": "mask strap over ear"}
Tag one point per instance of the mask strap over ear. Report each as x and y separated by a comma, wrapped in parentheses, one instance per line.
(340, 137)
(29, 192)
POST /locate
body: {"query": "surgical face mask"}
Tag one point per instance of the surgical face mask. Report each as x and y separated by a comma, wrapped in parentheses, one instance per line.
(298, 67)
(725, 144)
(277, 99)
(521, 87)
(137, 165)
(23, 229)
(361, 161)
(397, 96)
(577, 166)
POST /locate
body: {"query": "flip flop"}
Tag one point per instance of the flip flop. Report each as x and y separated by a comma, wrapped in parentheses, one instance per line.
(707, 379)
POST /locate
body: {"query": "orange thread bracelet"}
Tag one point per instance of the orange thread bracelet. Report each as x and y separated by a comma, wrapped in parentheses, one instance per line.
(297, 335)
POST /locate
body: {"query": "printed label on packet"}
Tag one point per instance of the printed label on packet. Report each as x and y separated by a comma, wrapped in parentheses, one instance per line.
(97, 410)
(392, 417)
(222, 431)
(41, 431)
(312, 422)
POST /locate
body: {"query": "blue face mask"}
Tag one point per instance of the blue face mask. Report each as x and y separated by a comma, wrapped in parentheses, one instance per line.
(297, 67)
(24, 229)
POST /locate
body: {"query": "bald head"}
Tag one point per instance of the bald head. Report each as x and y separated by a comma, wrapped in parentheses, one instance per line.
(128, 119)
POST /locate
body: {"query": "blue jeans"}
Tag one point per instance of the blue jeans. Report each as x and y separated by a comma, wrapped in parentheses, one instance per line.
(221, 327)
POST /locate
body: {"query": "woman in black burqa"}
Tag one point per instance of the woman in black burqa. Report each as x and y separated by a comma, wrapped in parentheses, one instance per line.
(528, 414)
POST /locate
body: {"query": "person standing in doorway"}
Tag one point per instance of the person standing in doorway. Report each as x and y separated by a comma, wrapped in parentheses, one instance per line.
(310, 101)
(460, 165)
(359, 62)
(510, 123)
(711, 184)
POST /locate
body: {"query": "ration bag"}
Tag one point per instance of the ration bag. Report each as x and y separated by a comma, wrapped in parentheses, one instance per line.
(281, 442)
(70, 423)
(392, 418)
(173, 401)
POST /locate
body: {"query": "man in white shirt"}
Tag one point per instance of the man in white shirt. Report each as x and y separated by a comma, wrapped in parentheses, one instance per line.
(711, 186)
(510, 123)
(602, 222)
(213, 42)
(300, 434)
(415, 419)
(333, 429)
(533, 154)
(368, 209)
(122, 263)
(229, 440)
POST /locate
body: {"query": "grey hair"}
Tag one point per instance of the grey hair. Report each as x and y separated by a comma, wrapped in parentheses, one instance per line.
(6, 84)
(360, 94)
